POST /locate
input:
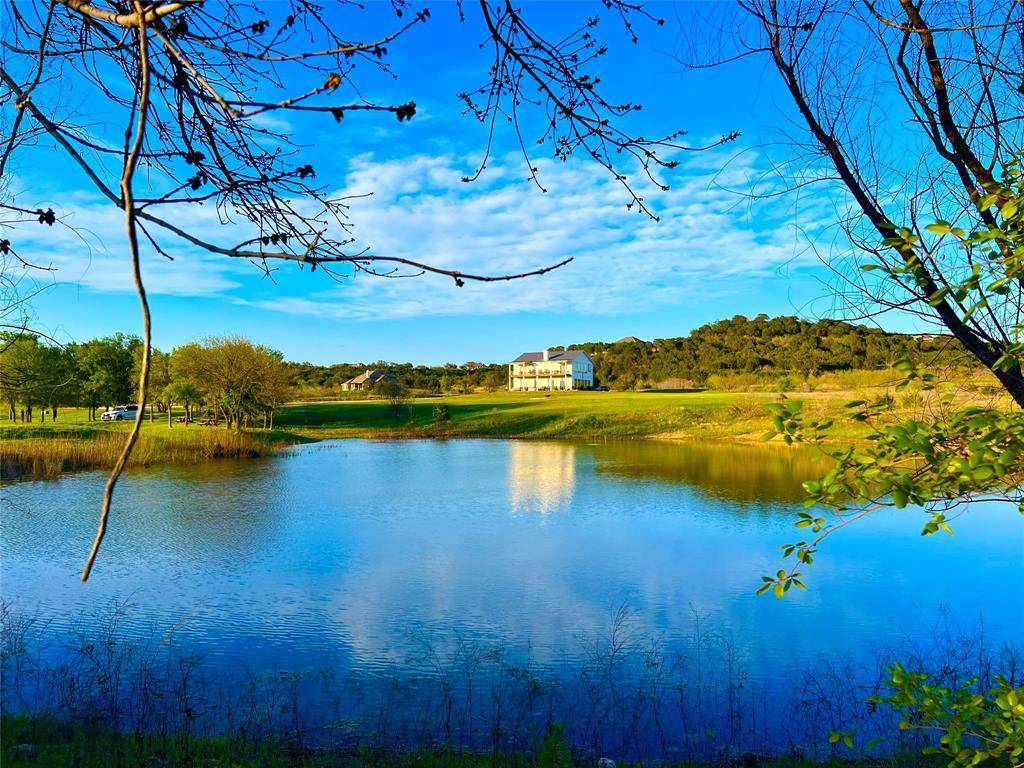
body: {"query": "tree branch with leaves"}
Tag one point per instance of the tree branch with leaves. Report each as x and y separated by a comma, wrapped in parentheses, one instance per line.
(188, 83)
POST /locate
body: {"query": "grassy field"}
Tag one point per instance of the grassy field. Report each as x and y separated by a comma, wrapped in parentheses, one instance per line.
(583, 415)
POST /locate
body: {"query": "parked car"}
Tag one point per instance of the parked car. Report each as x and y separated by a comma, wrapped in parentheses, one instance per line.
(600, 389)
(120, 413)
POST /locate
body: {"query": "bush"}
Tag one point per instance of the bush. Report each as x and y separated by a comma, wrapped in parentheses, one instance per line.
(554, 752)
(976, 726)
(396, 394)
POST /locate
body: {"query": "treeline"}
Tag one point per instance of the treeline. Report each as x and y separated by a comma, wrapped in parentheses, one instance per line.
(229, 379)
(241, 382)
(312, 381)
(770, 346)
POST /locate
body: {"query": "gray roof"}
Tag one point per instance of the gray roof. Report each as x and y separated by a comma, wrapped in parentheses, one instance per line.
(373, 376)
(538, 357)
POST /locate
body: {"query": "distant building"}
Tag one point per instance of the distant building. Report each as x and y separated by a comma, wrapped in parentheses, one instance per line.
(535, 371)
(368, 379)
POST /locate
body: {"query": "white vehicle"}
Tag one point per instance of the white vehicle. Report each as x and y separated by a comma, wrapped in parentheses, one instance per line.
(120, 413)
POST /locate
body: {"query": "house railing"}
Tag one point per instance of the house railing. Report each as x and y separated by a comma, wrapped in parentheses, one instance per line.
(535, 372)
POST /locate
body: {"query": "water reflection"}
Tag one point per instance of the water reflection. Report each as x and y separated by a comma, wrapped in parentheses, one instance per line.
(541, 476)
(741, 473)
(352, 554)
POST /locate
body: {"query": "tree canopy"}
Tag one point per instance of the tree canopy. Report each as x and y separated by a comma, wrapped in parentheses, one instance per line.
(778, 345)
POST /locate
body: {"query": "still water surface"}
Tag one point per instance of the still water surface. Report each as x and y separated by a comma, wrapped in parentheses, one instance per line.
(344, 547)
(357, 553)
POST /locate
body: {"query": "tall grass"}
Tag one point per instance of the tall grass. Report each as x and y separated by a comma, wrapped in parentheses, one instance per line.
(46, 454)
(28, 741)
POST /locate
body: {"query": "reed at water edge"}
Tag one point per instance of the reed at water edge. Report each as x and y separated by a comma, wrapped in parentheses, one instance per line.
(55, 451)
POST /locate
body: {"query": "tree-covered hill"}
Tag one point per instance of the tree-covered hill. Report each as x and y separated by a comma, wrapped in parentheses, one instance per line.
(777, 345)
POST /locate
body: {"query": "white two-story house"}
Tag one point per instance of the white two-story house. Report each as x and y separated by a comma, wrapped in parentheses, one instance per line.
(551, 369)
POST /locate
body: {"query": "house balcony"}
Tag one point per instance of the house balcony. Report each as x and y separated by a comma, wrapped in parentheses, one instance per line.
(540, 374)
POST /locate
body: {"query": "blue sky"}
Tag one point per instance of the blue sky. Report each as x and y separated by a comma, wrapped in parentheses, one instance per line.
(713, 254)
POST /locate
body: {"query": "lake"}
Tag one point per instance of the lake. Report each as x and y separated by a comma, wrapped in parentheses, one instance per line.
(422, 573)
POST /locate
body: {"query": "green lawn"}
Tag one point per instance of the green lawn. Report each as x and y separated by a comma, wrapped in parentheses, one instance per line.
(684, 415)
(75, 423)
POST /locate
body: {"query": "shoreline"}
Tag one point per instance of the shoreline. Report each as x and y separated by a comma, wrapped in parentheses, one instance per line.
(40, 450)
(43, 740)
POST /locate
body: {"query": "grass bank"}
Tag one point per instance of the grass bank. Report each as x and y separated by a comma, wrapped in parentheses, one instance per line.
(47, 449)
(42, 742)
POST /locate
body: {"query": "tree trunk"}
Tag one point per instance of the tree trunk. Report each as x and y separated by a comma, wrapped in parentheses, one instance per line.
(1014, 383)
(55, 413)
(947, 314)
(169, 410)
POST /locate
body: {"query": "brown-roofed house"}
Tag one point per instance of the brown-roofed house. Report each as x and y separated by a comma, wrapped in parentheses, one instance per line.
(368, 379)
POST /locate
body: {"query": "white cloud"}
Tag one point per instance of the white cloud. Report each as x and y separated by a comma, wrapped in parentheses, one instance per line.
(704, 244)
